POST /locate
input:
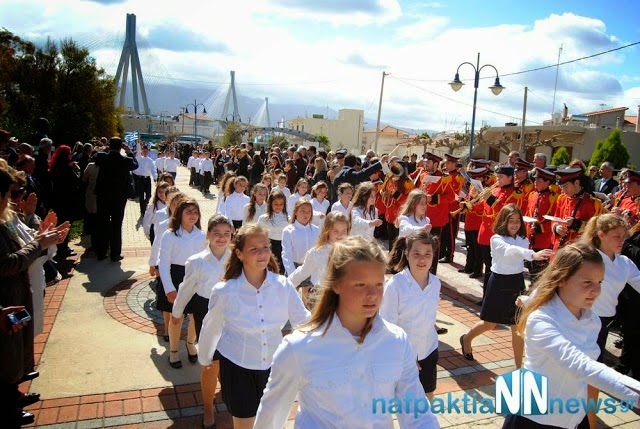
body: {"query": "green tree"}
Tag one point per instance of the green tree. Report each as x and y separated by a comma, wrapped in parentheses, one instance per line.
(58, 81)
(232, 135)
(323, 142)
(561, 157)
(612, 150)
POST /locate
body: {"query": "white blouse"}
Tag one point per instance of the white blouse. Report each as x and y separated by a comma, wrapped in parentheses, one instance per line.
(202, 271)
(563, 348)
(206, 165)
(260, 210)
(508, 254)
(338, 392)
(275, 225)
(234, 206)
(244, 323)
(617, 273)
(293, 199)
(153, 217)
(409, 224)
(175, 250)
(284, 190)
(159, 231)
(320, 210)
(360, 222)
(414, 309)
(297, 239)
(315, 265)
(338, 207)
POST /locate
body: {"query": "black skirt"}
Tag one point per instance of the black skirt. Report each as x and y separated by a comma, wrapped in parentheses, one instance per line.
(177, 275)
(198, 306)
(499, 305)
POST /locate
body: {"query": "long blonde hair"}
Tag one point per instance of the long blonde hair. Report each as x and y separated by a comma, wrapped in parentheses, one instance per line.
(233, 269)
(409, 206)
(331, 219)
(351, 249)
(605, 223)
(566, 263)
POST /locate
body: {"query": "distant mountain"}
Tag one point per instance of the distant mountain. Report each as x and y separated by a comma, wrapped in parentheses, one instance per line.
(168, 99)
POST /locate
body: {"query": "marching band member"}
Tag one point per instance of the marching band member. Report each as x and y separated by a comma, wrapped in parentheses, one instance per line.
(450, 230)
(542, 201)
(472, 221)
(521, 178)
(503, 194)
(575, 206)
(439, 196)
(394, 192)
(627, 206)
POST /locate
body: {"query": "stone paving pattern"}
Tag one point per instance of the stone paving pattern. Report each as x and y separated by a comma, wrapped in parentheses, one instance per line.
(180, 405)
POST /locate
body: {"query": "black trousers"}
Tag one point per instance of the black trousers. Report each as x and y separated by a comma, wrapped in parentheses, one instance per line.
(603, 334)
(192, 176)
(143, 189)
(448, 237)
(628, 305)
(392, 234)
(109, 233)
(474, 255)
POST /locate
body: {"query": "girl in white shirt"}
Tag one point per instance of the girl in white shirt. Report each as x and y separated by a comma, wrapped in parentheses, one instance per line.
(319, 202)
(258, 204)
(179, 242)
(300, 192)
(202, 271)
(299, 236)
(310, 274)
(266, 181)
(235, 202)
(158, 202)
(343, 205)
(509, 250)
(247, 311)
(364, 215)
(173, 198)
(607, 233)
(411, 300)
(413, 214)
(369, 357)
(224, 190)
(560, 332)
(282, 186)
(275, 220)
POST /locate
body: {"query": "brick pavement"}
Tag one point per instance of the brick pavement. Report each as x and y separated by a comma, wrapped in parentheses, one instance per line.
(179, 406)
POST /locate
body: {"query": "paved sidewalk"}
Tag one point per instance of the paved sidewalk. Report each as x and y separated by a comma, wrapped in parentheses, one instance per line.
(103, 362)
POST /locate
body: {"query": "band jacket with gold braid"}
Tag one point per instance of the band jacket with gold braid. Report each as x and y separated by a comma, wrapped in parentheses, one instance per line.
(581, 207)
(457, 182)
(500, 197)
(394, 198)
(526, 187)
(442, 196)
(539, 204)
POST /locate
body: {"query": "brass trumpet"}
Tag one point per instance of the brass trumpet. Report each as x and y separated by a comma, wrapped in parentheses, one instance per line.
(396, 170)
(475, 200)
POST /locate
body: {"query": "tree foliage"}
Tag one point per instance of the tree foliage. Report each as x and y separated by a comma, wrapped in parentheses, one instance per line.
(612, 150)
(561, 157)
(59, 81)
(232, 135)
(323, 142)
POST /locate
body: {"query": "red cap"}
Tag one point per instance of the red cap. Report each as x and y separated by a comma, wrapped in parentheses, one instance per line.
(568, 175)
(476, 173)
(544, 174)
(632, 176)
(433, 157)
(451, 157)
(521, 164)
(480, 163)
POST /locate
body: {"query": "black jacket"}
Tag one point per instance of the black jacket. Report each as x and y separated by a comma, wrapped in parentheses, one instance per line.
(113, 178)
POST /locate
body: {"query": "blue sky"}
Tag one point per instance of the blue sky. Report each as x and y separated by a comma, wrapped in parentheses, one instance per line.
(332, 52)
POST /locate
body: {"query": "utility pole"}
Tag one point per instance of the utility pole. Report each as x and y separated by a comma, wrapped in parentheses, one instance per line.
(524, 120)
(375, 145)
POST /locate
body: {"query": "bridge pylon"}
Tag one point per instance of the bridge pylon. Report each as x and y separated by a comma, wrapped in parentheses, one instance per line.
(128, 57)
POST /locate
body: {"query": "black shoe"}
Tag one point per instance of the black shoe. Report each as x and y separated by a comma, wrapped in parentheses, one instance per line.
(65, 253)
(442, 331)
(177, 364)
(192, 358)
(464, 270)
(475, 275)
(30, 376)
(445, 260)
(20, 418)
(467, 356)
(28, 399)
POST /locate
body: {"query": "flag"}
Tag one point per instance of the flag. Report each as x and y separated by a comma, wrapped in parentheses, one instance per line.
(131, 137)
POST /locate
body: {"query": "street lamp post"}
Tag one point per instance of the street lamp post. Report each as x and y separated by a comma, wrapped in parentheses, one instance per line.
(456, 84)
(195, 105)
